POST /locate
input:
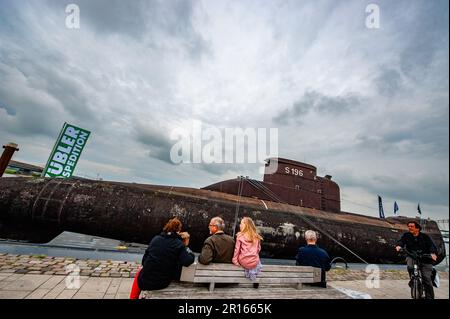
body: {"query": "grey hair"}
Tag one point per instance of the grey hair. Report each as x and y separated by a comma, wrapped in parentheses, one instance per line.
(310, 235)
(218, 222)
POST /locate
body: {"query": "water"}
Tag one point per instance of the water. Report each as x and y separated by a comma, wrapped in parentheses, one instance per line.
(79, 253)
(81, 246)
(136, 256)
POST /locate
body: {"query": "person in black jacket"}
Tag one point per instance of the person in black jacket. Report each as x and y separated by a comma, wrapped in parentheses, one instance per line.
(163, 260)
(416, 241)
(311, 255)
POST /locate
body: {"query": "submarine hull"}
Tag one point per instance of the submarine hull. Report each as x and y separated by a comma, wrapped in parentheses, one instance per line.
(39, 209)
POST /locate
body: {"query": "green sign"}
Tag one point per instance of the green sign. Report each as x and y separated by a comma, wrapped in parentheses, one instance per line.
(66, 152)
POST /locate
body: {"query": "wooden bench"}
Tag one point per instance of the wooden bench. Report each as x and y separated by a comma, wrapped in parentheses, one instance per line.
(270, 274)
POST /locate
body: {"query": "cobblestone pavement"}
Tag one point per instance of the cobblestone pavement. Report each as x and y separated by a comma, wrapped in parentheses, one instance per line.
(387, 289)
(348, 274)
(46, 265)
(44, 277)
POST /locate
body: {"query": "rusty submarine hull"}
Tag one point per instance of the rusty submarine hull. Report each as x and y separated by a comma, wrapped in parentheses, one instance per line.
(284, 205)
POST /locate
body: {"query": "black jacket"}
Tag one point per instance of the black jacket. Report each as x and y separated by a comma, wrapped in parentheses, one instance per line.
(162, 261)
(422, 243)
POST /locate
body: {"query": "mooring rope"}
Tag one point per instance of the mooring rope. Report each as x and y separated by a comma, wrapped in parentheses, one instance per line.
(236, 214)
(271, 194)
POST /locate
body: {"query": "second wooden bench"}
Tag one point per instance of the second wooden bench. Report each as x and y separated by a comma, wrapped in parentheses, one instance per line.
(270, 274)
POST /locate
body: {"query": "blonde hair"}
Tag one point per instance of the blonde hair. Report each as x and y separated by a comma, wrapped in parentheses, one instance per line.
(249, 230)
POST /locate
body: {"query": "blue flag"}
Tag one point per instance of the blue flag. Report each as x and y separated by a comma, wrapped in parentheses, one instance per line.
(380, 207)
(418, 209)
(395, 208)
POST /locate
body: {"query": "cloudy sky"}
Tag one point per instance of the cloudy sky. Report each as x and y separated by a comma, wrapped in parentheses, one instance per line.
(369, 106)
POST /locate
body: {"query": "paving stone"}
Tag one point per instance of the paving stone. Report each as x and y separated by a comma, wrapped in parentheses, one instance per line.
(60, 273)
(88, 295)
(27, 282)
(96, 285)
(67, 294)
(37, 294)
(114, 286)
(52, 282)
(13, 294)
(56, 290)
(7, 271)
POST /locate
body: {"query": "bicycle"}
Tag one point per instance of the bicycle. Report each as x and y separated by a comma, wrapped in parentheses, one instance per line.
(416, 284)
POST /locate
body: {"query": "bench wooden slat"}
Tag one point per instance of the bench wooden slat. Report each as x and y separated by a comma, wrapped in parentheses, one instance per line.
(270, 274)
(235, 273)
(266, 268)
(257, 280)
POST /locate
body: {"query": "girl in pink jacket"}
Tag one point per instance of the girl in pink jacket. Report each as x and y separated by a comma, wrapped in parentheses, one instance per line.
(248, 246)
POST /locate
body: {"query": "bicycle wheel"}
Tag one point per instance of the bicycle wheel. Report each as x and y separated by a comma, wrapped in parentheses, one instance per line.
(416, 289)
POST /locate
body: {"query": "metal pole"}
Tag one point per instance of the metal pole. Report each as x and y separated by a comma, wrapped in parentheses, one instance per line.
(10, 148)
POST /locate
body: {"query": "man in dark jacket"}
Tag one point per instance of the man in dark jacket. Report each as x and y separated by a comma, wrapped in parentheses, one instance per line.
(311, 255)
(219, 247)
(416, 241)
(164, 258)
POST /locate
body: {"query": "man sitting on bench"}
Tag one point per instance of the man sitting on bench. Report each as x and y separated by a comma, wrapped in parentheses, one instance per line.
(219, 247)
(311, 255)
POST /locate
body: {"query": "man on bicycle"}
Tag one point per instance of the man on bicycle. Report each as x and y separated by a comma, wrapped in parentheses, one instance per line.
(416, 241)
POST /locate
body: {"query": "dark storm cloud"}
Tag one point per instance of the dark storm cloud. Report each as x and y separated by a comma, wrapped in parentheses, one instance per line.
(313, 101)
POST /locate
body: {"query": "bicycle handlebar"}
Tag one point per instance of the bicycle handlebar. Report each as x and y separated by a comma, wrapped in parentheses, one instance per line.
(415, 254)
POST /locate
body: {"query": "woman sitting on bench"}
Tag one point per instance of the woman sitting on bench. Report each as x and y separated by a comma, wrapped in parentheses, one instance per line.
(163, 259)
(247, 248)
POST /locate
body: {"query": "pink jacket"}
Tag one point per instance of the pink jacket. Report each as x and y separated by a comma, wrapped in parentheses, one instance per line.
(246, 253)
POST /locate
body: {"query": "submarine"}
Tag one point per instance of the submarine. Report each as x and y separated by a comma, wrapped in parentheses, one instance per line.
(289, 200)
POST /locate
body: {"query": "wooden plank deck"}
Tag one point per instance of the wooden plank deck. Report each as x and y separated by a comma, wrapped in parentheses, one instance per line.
(181, 290)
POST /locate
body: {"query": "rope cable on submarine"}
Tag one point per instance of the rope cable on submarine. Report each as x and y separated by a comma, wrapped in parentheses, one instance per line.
(272, 195)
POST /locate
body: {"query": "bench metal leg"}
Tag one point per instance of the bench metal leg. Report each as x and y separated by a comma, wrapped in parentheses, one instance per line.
(211, 286)
(299, 285)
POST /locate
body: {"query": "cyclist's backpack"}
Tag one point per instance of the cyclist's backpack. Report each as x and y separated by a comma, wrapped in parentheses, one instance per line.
(435, 278)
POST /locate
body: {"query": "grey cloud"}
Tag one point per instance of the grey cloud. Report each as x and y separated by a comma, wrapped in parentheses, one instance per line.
(160, 145)
(215, 168)
(40, 90)
(26, 110)
(429, 189)
(320, 103)
(218, 169)
(426, 35)
(156, 139)
(388, 82)
(426, 134)
(152, 20)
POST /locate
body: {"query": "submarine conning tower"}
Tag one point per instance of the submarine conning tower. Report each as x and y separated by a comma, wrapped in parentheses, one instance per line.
(293, 182)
